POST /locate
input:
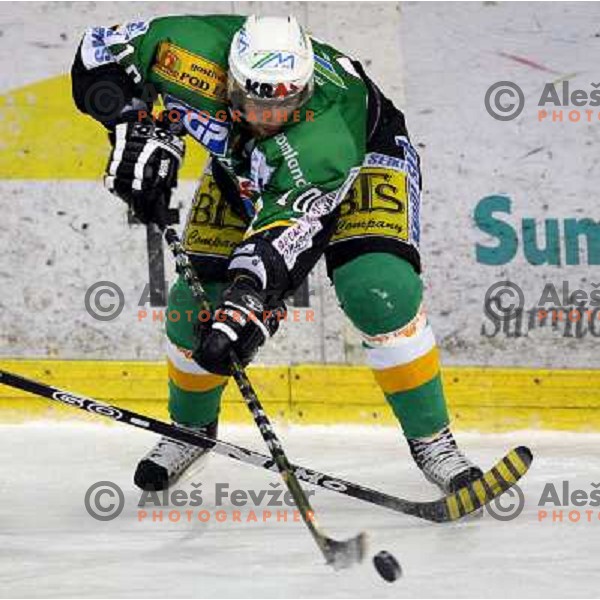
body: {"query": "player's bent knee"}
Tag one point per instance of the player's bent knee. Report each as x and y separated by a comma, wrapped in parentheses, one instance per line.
(379, 292)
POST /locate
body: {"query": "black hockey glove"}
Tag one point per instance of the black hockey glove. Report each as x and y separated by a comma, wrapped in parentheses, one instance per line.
(142, 169)
(242, 323)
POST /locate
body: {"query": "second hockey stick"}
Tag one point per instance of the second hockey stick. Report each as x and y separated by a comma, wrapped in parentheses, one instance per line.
(502, 476)
(339, 554)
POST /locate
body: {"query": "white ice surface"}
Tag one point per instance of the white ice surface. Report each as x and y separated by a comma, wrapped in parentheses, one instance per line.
(51, 547)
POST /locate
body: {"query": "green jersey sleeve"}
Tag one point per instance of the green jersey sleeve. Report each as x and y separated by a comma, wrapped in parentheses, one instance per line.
(182, 60)
(183, 55)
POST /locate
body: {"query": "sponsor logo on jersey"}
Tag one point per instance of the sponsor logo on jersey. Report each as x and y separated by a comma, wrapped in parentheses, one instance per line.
(191, 71)
(290, 156)
(212, 228)
(378, 204)
(324, 68)
(170, 61)
(212, 133)
(414, 185)
(374, 159)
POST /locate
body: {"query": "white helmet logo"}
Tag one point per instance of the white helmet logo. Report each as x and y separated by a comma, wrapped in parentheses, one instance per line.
(271, 59)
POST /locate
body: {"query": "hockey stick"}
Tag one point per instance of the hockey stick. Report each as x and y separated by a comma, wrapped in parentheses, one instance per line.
(156, 265)
(503, 475)
(339, 554)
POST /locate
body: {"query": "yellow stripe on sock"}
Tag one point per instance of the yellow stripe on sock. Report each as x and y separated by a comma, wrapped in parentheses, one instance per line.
(411, 375)
(194, 382)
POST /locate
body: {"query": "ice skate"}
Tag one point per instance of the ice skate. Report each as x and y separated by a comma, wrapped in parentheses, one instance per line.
(169, 459)
(442, 462)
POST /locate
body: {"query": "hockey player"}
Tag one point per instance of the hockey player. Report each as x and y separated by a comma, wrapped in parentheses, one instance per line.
(308, 157)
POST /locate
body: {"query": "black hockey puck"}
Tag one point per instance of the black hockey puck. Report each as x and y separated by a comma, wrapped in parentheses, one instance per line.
(387, 566)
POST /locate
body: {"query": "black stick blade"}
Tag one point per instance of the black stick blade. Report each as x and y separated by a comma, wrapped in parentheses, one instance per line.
(346, 554)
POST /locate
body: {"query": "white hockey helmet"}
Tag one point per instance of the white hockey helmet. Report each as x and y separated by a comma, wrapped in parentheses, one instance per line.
(271, 66)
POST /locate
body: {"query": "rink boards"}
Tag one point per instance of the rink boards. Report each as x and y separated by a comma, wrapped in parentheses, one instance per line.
(64, 232)
(482, 399)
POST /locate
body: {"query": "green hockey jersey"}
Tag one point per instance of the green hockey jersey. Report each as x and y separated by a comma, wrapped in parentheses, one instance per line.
(303, 169)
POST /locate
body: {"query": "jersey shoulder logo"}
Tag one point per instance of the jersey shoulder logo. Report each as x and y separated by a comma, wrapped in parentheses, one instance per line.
(324, 69)
(191, 71)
